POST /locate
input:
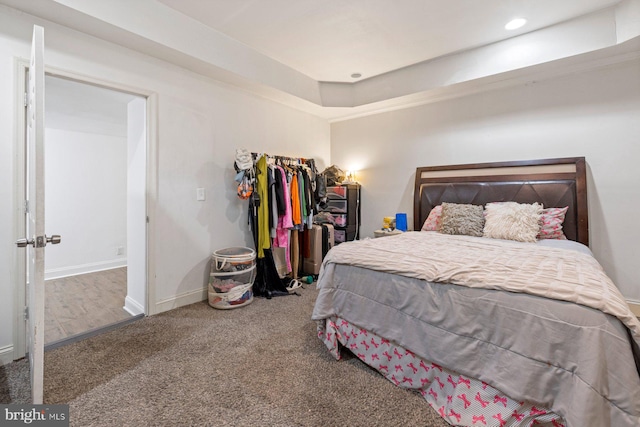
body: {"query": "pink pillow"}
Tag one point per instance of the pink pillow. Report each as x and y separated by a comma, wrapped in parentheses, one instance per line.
(434, 220)
(551, 223)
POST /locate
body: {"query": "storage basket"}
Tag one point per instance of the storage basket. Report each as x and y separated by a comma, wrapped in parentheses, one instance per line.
(233, 271)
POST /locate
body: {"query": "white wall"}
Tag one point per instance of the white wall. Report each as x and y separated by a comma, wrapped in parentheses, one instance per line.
(86, 201)
(200, 123)
(595, 114)
(135, 302)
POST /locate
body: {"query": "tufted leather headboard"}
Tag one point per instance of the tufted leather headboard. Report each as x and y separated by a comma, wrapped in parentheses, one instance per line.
(552, 182)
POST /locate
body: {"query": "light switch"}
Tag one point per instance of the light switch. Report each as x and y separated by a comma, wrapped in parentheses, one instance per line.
(200, 194)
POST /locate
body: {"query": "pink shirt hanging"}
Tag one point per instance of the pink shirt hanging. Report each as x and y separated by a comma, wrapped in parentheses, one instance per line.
(285, 222)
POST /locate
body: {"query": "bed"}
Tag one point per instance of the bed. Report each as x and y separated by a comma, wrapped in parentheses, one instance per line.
(491, 331)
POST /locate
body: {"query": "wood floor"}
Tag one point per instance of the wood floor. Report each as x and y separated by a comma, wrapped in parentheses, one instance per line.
(77, 304)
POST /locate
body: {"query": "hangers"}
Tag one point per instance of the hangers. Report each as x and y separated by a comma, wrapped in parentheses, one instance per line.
(286, 162)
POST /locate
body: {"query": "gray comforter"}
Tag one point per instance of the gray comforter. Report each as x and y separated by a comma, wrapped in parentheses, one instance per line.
(573, 359)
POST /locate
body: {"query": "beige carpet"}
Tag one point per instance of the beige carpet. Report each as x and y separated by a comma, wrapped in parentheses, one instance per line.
(259, 365)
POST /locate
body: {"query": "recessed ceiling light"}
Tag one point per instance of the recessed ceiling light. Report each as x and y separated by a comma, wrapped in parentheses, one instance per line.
(516, 23)
(356, 75)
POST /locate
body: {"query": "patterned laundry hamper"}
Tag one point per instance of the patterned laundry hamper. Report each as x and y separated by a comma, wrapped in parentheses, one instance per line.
(233, 271)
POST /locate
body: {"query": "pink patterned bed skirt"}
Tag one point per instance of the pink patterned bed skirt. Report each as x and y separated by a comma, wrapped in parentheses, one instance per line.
(459, 400)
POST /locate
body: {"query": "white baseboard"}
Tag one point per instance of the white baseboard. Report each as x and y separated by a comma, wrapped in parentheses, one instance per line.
(635, 307)
(57, 273)
(6, 354)
(181, 300)
(132, 306)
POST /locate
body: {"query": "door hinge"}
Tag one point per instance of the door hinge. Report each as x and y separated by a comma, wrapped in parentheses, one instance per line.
(26, 313)
(147, 219)
(26, 206)
(26, 99)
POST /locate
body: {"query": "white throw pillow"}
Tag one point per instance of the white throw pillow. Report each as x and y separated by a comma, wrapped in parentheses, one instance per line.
(512, 221)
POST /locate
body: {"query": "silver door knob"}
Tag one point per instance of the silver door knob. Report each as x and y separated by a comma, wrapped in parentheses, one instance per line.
(22, 243)
(54, 239)
(39, 241)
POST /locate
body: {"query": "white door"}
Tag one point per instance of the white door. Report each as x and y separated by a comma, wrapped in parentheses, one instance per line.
(36, 239)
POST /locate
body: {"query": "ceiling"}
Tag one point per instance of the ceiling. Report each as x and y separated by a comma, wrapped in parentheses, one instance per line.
(332, 39)
(303, 53)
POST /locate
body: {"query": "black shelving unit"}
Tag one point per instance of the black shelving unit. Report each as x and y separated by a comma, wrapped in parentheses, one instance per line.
(343, 202)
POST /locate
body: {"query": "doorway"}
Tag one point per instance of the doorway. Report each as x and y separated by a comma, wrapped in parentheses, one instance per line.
(92, 126)
(93, 173)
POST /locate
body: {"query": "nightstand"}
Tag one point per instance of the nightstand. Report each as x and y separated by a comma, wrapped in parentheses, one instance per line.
(383, 233)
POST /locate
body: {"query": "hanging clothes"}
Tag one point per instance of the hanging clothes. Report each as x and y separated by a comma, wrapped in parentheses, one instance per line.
(295, 253)
(280, 207)
(285, 223)
(273, 203)
(295, 200)
(303, 200)
(309, 199)
(281, 183)
(262, 183)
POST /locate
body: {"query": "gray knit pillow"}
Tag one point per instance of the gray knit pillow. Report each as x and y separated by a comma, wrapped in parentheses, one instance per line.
(462, 219)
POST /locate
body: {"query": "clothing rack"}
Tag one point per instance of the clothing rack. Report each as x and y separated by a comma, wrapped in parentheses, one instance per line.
(281, 207)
